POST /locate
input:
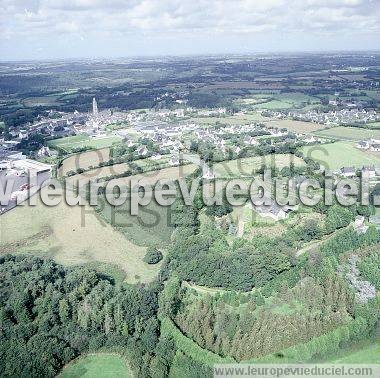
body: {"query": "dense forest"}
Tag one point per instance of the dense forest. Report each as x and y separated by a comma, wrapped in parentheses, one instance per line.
(50, 314)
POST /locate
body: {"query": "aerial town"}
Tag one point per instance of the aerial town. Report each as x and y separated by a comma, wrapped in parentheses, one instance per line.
(132, 243)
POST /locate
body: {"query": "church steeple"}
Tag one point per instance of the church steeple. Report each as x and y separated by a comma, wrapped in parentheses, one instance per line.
(94, 107)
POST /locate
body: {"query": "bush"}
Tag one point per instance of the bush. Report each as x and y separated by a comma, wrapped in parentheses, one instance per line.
(153, 256)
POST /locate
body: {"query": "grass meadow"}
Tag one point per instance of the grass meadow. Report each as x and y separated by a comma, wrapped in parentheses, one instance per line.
(283, 101)
(97, 365)
(373, 125)
(236, 119)
(152, 226)
(365, 353)
(81, 140)
(84, 160)
(246, 167)
(341, 154)
(349, 133)
(295, 126)
(77, 235)
(73, 235)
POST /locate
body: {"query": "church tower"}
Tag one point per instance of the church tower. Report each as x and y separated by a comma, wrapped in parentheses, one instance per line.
(94, 107)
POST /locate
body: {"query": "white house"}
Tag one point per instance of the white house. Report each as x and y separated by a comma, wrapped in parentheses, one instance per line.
(369, 171)
(310, 139)
(142, 150)
(207, 172)
(273, 210)
(348, 172)
(43, 151)
(375, 147)
(237, 150)
(251, 141)
(23, 134)
(359, 225)
(363, 145)
(130, 143)
(174, 160)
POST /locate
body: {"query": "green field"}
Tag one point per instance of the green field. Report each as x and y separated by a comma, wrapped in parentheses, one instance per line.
(146, 164)
(341, 154)
(41, 101)
(368, 353)
(84, 160)
(151, 226)
(246, 167)
(81, 140)
(236, 119)
(295, 126)
(349, 133)
(97, 366)
(373, 125)
(73, 235)
(287, 101)
(274, 105)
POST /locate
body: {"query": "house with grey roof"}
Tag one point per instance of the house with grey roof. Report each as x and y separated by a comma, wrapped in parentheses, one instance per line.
(369, 171)
(348, 171)
(274, 210)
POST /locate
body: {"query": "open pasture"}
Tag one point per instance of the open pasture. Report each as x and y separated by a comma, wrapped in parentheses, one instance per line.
(246, 167)
(348, 133)
(151, 227)
(146, 164)
(236, 119)
(84, 160)
(41, 101)
(341, 154)
(81, 140)
(289, 100)
(368, 353)
(97, 365)
(295, 126)
(72, 235)
(373, 125)
(274, 105)
(171, 173)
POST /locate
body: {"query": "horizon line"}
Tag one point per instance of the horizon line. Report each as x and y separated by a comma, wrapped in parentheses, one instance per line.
(193, 55)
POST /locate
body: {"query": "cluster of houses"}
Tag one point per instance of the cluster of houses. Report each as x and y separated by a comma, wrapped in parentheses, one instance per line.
(173, 137)
(333, 117)
(366, 171)
(56, 125)
(371, 145)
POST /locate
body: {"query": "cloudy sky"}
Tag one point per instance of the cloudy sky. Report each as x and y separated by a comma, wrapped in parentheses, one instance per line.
(48, 29)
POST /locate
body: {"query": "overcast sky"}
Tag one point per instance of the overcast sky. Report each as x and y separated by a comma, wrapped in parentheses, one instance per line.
(48, 29)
